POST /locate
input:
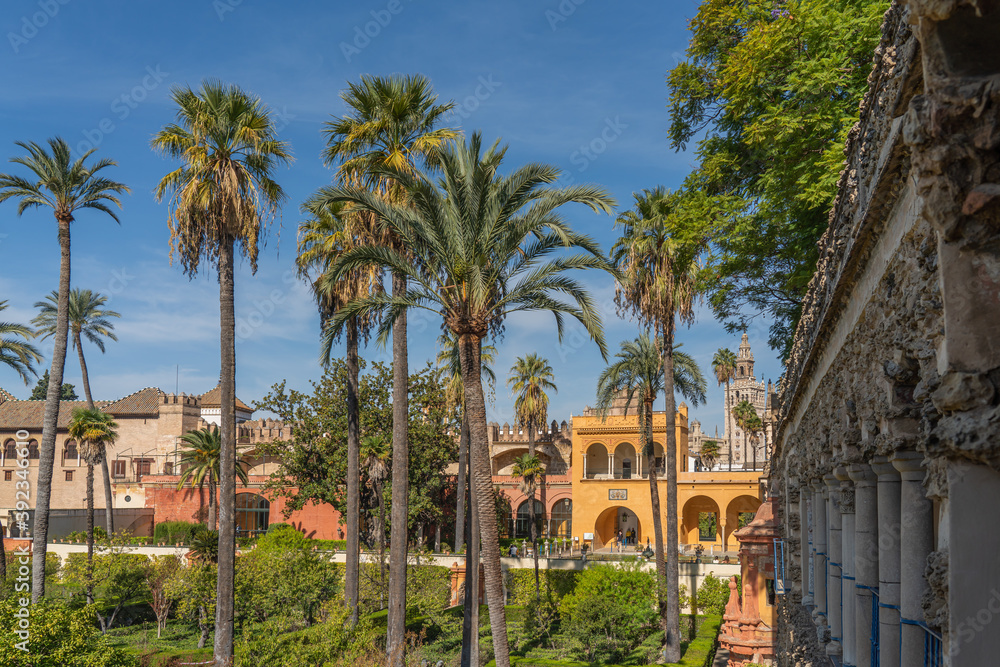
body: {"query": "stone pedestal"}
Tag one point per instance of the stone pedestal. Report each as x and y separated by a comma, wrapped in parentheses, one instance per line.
(865, 559)
(888, 560)
(833, 570)
(916, 543)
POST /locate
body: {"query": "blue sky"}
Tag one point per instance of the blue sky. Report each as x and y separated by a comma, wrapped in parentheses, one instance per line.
(579, 84)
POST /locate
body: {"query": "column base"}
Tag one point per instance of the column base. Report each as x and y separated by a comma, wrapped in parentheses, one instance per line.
(834, 648)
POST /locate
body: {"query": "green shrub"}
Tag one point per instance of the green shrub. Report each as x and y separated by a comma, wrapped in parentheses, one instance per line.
(59, 637)
(521, 584)
(610, 612)
(713, 594)
(173, 532)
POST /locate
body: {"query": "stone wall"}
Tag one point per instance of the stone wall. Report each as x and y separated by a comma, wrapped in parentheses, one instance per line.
(889, 406)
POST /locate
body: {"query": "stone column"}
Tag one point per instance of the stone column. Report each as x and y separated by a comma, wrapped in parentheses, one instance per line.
(805, 543)
(888, 560)
(793, 500)
(819, 565)
(833, 572)
(865, 558)
(916, 543)
(847, 587)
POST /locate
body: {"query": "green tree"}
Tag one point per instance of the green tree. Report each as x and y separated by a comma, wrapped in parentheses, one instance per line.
(19, 355)
(222, 196)
(66, 186)
(481, 247)
(376, 454)
(529, 468)
(160, 571)
(193, 589)
(748, 421)
(656, 256)
(709, 453)
(94, 430)
(724, 367)
(201, 462)
(609, 612)
(768, 93)
(41, 389)
(116, 579)
(391, 124)
(530, 377)
(87, 318)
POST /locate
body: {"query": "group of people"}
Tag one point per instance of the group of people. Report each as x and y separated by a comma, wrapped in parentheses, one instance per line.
(624, 538)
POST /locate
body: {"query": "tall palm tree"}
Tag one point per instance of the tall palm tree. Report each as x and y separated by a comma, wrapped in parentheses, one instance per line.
(66, 186)
(530, 377)
(658, 285)
(748, 421)
(480, 247)
(724, 367)
(449, 361)
(709, 453)
(638, 376)
(201, 462)
(222, 196)
(529, 468)
(18, 354)
(87, 318)
(323, 236)
(391, 123)
(94, 430)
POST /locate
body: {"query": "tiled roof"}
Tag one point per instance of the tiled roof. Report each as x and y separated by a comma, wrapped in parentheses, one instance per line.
(30, 414)
(6, 396)
(145, 402)
(213, 399)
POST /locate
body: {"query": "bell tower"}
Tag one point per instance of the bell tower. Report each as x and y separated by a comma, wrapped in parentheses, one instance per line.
(744, 360)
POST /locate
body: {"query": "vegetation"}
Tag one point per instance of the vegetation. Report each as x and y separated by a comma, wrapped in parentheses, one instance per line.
(41, 390)
(67, 186)
(201, 462)
(724, 367)
(19, 355)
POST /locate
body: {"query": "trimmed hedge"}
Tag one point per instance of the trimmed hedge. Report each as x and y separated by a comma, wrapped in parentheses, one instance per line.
(521, 584)
(173, 532)
(700, 651)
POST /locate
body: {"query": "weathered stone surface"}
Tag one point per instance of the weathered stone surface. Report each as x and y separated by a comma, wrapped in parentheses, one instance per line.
(962, 391)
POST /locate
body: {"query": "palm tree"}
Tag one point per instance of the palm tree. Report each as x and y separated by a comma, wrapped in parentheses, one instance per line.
(390, 124)
(94, 430)
(201, 464)
(223, 195)
(375, 452)
(66, 186)
(745, 415)
(529, 468)
(530, 377)
(322, 237)
(709, 453)
(658, 285)
(87, 318)
(638, 375)
(724, 367)
(480, 247)
(18, 354)
(449, 362)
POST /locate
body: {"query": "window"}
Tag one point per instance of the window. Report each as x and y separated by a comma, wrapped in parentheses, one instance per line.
(168, 468)
(706, 526)
(70, 452)
(10, 450)
(252, 514)
(522, 526)
(143, 466)
(118, 468)
(745, 518)
(8, 475)
(33, 449)
(69, 475)
(561, 520)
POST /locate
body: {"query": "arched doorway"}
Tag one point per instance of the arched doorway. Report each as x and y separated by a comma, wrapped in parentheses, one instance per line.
(739, 512)
(561, 518)
(595, 463)
(522, 525)
(611, 521)
(252, 514)
(701, 522)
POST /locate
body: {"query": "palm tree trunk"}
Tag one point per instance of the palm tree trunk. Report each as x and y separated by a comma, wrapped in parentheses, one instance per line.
(225, 601)
(470, 351)
(211, 523)
(381, 532)
(105, 473)
(47, 455)
(654, 501)
(396, 625)
(729, 430)
(531, 508)
(672, 639)
(463, 470)
(353, 475)
(90, 533)
(470, 619)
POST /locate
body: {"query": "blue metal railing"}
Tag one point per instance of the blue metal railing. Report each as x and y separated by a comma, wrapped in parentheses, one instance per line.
(874, 630)
(933, 646)
(779, 564)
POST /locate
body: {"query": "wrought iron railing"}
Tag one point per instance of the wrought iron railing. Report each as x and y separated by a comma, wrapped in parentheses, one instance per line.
(874, 630)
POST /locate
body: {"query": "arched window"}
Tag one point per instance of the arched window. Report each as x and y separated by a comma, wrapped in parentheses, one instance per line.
(522, 526)
(10, 450)
(561, 519)
(252, 514)
(33, 449)
(70, 452)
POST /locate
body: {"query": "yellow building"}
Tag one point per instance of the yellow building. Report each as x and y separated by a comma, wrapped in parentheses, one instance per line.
(611, 491)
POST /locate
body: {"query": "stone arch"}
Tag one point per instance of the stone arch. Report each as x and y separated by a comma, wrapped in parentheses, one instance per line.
(625, 461)
(738, 505)
(595, 461)
(503, 463)
(522, 522)
(691, 516)
(560, 515)
(10, 449)
(658, 457)
(610, 520)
